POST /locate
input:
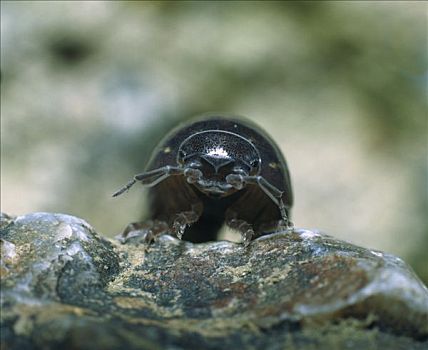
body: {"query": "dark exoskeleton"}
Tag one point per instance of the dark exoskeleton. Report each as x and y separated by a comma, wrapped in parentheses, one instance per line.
(212, 171)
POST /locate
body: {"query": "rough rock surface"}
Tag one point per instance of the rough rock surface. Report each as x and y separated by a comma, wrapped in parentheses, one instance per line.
(64, 286)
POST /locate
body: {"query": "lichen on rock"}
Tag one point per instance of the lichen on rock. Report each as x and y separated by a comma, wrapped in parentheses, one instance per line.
(65, 285)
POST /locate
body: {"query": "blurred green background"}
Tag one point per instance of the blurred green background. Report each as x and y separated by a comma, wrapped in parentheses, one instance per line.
(88, 88)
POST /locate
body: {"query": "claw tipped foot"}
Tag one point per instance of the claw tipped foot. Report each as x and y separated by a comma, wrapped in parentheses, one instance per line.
(143, 232)
(184, 219)
(246, 230)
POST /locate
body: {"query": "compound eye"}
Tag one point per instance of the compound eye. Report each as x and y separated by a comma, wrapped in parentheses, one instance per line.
(255, 163)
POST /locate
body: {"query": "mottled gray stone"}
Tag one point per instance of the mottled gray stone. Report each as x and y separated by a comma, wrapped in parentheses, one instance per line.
(63, 285)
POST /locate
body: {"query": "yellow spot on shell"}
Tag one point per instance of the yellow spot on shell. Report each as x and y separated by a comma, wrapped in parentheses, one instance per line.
(273, 165)
(167, 150)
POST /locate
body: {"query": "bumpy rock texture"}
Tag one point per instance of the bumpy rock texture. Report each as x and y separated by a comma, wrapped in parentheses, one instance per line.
(64, 286)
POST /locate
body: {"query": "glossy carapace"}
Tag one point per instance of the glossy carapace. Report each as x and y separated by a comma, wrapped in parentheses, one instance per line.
(212, 171)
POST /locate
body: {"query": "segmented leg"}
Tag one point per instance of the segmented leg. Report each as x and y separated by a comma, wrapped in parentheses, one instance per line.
(147, 231)
(182, 220)
(238, 181)
(273, 193)
(243, 227)
(186, 218)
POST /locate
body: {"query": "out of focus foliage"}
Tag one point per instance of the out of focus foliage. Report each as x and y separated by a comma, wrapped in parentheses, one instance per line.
(89, 87)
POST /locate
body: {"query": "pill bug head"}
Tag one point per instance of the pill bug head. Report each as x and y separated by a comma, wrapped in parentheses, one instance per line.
(209, 157)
